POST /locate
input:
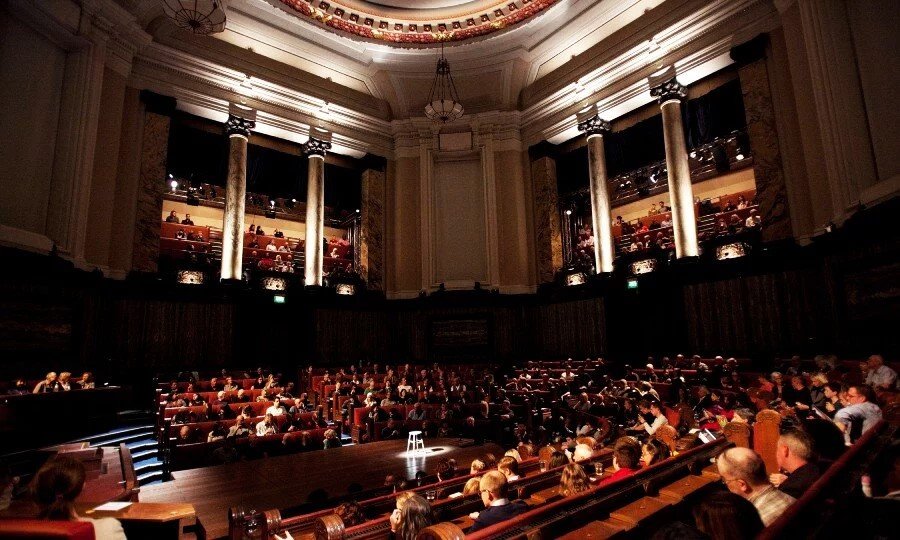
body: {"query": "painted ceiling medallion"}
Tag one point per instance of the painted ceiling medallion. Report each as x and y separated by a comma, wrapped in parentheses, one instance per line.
(418, 26)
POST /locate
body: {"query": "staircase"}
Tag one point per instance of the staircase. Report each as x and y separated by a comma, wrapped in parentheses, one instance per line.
(140, 438)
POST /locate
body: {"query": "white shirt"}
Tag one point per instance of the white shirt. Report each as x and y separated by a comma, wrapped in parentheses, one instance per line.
(275, 411)
(262, 429)
(106, 528)
(658, 422)
(881, 377)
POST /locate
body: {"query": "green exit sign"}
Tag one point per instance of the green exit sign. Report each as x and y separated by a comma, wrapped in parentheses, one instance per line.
(279, 299)
(632, 284)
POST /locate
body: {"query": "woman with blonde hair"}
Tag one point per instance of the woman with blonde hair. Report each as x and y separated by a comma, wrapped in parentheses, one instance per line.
(413, 513)
(573, 480)
(471, 486)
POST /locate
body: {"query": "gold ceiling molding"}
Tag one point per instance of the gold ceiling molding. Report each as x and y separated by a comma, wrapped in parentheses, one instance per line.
(416, 26)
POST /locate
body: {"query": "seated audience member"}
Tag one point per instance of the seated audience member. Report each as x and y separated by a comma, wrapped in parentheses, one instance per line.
(558, 459)
(65, 381)
(794, 453)
(743, 472)
(241, 396)
(20, 388)
(172, 217)
(726, 516)
(86, 382)
(253, 243)
(743, 415)
(654, 451)
(217, 433)
(180, 235)
(753, 219)
(331, 439)
(880, 376)
(260, 231)
(271, 246)
(797, 394)
(277, 408)
(239, 429)
(417, 412)
(860, 410)
(187, 220)
(472, 486)
(509, 467)
(350, 513)
(278, 234)
(412, 514)
(832, 392)
(266, 426)
(583, 452)
(626, 456)
(498, 508)
(476, 467)
(56, 486)
(446, 470)
(573, 480)
(229, 386)
(252, 229)
(186, 435)
(49, 384)
(659, 418)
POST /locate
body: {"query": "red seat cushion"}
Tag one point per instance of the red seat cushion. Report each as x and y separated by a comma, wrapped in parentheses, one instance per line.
(33, 528)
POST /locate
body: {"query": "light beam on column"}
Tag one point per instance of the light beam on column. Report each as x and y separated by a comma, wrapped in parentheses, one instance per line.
(595, 128)
(315, 148)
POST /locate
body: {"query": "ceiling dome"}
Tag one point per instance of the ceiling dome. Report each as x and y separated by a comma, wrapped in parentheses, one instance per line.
(430, 21)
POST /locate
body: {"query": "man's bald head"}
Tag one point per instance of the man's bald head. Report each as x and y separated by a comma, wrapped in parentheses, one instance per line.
(743, 464)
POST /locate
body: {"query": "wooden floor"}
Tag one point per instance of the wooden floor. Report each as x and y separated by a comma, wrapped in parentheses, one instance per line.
(285, 481)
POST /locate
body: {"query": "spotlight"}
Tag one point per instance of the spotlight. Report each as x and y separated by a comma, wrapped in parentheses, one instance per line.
(568, 212)
(294, 201)
(693, 155)
(171, 175)
(357, 210)
(739, 157)
(272, 203)
(174, 185)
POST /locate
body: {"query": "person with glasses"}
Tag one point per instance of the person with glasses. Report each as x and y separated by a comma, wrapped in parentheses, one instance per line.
(861, 411)
(743, 472)
(494, 489)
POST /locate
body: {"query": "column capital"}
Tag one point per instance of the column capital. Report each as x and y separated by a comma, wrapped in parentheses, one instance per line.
(236, 125)
(594, 125)
(669, 90)
(316, 147)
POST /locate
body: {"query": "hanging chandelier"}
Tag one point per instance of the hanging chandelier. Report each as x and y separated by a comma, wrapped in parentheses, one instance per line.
(198, 16)
(443, 102)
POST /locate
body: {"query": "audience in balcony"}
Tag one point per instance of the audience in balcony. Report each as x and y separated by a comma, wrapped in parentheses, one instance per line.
(260, 231)
(180, 235)
(743, 472)
(49, 384)
(626, 460)
(278, 234)
(172, 217)
(271, 246)
(187, 220)
(753, 220)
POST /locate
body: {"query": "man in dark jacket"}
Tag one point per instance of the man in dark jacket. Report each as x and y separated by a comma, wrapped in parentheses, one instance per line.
(794, 455)
(498, 507)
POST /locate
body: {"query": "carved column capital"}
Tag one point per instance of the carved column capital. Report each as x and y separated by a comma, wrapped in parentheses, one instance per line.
(235, 125)
(316, 147)
(669, 90)
(594, 126)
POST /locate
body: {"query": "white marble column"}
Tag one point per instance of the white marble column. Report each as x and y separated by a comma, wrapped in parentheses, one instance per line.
(684, 221)
(595, 127)
(315, 209)
(238, 130)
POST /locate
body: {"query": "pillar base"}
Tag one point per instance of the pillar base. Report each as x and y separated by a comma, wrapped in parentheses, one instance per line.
(686, 261)
(232, 283)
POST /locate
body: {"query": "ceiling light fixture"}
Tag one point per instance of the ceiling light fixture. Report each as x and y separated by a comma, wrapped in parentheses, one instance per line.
(198, 16)
(443, 102)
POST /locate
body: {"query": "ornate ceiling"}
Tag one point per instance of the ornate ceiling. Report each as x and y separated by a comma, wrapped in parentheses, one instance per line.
(429, 22)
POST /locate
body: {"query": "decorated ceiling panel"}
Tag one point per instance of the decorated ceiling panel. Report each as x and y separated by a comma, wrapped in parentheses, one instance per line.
(429, 22)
